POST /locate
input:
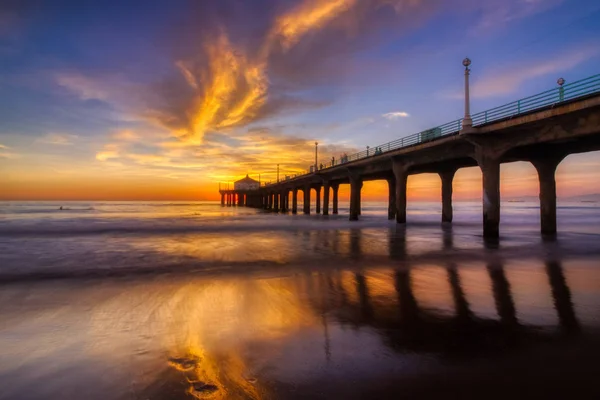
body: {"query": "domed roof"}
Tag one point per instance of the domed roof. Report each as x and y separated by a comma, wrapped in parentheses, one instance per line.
(247, 179)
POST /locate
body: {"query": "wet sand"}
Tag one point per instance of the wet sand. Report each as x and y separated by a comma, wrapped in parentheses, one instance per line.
(352, 311)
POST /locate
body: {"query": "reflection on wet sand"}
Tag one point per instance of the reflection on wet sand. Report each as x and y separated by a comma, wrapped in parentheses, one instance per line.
(562, 298)
(288, 336)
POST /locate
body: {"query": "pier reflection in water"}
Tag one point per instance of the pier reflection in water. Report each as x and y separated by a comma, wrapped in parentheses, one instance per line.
(400, 325)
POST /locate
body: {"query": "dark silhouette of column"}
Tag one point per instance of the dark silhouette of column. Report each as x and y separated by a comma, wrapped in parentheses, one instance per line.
(363, 296)
(461, 305)
(490, 168)
(546, 169)
(222, 199)
(505, 305)
(397, 242)
(318, 199)
(335, 189)
(286, 203)
(307, 200)
(276, 202)
(295, 201)
(407, 303)
(391, 197)
(326, 198)
(355, 186)
(355, 237)
(562, 298)
(447, 237)
(270, 206)
(401, 175)
(283, 199)
(447, 177)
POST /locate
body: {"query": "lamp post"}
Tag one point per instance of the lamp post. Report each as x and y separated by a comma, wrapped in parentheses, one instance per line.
(316, 155)
(467, 121)
(277, 173)
(561, 89)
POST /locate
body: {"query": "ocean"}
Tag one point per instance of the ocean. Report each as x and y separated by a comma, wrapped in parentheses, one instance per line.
(184, 300)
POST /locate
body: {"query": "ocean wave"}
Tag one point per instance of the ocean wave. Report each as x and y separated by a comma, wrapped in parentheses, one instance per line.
(163, 226)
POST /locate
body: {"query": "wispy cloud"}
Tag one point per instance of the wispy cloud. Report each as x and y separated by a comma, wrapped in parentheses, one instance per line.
(221, 155)
(6, 153)
(60, 139)
(230, 83)
(499, 13)
(508, 80)
(84, 87)
(395, 115)
(109, 151)
(126, 135)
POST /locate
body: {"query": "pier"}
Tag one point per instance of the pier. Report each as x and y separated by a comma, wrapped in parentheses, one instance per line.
(541, 129)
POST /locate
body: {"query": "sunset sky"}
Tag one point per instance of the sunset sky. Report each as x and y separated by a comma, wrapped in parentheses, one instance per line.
(136, 100)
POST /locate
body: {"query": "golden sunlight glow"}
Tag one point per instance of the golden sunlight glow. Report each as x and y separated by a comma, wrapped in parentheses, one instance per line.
(233, 88)
(210, 323)
(308, 16)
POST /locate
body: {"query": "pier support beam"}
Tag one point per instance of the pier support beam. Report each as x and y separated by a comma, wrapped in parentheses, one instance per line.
(546, 169)
(334, 205)
(287, 200)
(318, 199)
(295, 201)
(401, 174)
(391, 197)
(222, 200)
(285, 204)
(447, 177)
(270, 201)
(355, 186)
(306, 200)
(282, 202)
(490, 168)
(276, 202)
(326, 198)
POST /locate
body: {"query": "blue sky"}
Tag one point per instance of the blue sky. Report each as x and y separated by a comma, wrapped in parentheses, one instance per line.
(168, 96)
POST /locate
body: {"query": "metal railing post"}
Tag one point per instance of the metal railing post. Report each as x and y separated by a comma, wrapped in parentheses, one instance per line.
(561, 94)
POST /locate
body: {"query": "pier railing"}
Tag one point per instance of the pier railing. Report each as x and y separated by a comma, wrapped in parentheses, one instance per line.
(567, 92)
(557, 95)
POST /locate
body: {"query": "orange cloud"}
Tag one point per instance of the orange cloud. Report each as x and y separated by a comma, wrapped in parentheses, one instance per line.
(230, 87)
(61, 139)
(308, 16)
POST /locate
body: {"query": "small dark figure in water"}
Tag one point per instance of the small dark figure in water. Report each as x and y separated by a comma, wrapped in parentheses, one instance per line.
(60, 208)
